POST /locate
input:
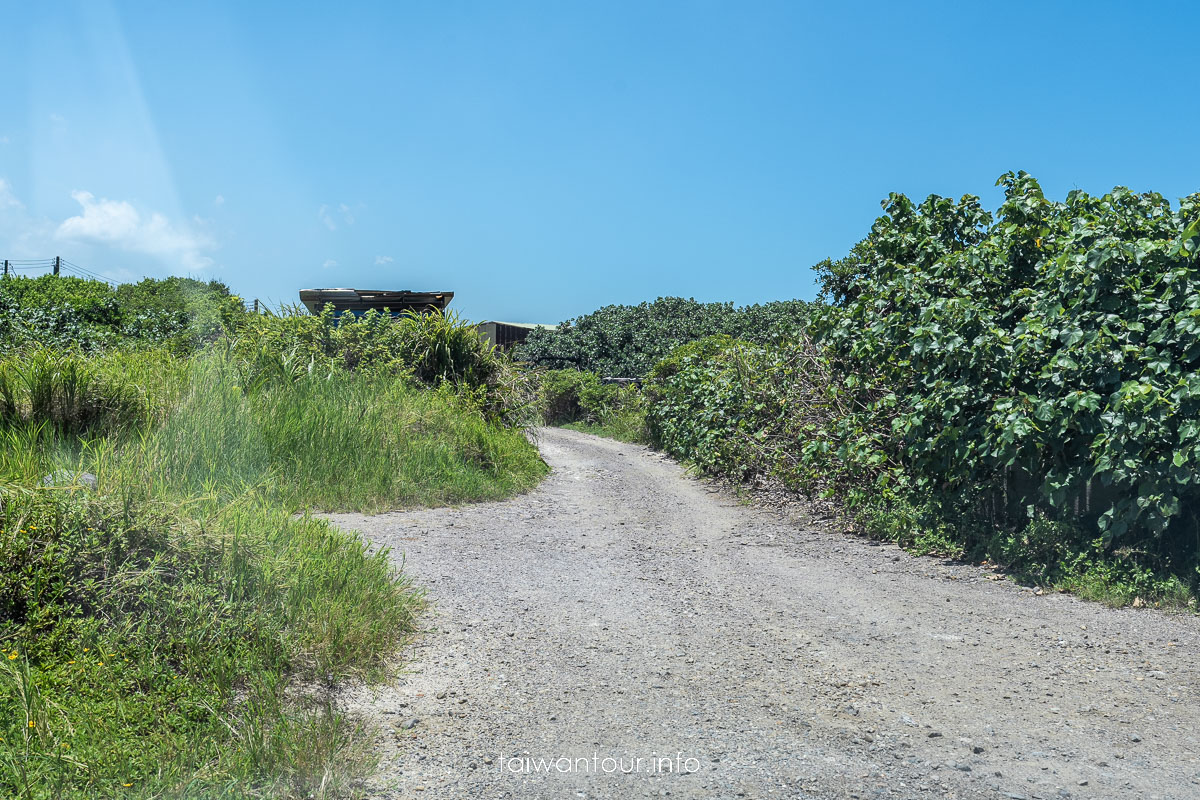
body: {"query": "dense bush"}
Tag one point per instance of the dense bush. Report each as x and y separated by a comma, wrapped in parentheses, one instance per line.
(581, 400)
(626, 341)
(182, 312)
(64, 311)
(750, 411)
(1048, 357)
(1024, 386)
(570, 395)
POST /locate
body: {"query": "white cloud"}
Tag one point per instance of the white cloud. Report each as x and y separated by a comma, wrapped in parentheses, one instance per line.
(329, 263)
(327, 214)
(7, 198)
(380, 260)
(325, 217)
(219, 200)
(119, 224)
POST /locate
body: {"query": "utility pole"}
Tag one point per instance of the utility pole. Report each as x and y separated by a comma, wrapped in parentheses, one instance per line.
(6, 267)
(57, 264)
(256, 305)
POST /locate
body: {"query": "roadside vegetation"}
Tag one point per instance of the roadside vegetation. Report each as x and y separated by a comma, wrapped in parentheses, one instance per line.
(1021, 388)
(177, 314)
(172, 617)
(580, 401)
(626, 341)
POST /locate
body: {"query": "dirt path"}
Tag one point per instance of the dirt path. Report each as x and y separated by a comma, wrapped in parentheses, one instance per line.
(625, 611)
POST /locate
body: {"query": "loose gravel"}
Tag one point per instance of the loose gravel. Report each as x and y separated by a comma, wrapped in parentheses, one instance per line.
(624, 610)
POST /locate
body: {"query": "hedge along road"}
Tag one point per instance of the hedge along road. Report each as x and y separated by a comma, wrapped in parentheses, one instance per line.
(625, 611)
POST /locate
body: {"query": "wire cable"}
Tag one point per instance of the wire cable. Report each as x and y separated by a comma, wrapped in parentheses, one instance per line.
(85, 272)
(40, 264)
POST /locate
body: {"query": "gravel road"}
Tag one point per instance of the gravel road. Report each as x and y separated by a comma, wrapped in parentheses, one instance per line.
(626, 611)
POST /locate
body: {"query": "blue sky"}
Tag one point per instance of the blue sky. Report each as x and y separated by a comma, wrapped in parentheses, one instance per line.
(543, 159)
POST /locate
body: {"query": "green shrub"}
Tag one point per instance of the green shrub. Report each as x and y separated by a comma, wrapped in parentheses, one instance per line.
(624, 420)
(1012, 387)
(67, 312)
(626, 341)
(751, 411)
(569, 395)
(90, 302)
(57, 312)
(582, 401)
(1049, 356)
(181, 313)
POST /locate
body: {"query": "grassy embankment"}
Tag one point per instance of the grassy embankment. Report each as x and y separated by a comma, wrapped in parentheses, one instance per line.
(172, 632)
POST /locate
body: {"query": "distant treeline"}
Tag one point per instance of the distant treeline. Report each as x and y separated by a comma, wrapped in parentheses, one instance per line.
(626, 341)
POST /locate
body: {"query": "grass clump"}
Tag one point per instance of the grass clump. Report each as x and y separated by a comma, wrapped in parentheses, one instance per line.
(433, 349)
(72, 392)
(339, 440)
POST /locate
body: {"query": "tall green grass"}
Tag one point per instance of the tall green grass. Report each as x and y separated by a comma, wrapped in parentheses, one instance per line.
(74, 393)
(342, 440)
(175, 632)
(158, 427)
(433, 348)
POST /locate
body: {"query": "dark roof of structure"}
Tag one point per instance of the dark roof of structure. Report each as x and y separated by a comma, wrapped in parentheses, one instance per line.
(379, 299)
